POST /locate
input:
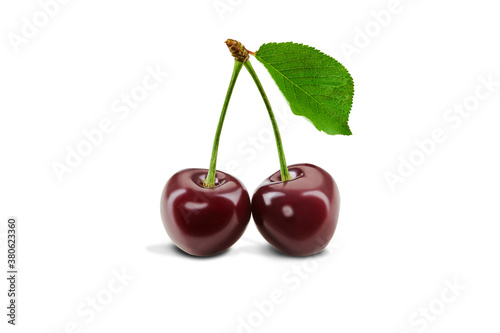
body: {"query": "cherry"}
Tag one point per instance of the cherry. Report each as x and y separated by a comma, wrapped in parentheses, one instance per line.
(299, 216)
(296, 209)
(206, 211)
(200, 220)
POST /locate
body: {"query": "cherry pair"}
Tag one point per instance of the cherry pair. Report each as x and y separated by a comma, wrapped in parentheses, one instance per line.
(298, 216)
(206, 211)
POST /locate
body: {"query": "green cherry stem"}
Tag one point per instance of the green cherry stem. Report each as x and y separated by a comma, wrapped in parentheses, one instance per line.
(285, 175)
(210, 180)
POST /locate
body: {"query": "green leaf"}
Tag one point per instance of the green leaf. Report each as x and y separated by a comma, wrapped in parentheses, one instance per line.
(317, 86)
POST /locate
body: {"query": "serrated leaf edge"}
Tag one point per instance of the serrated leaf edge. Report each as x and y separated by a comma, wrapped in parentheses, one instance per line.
(342, 121)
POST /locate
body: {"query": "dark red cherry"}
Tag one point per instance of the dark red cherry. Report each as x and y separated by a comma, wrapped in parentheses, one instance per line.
(204, 221)
(298, 217)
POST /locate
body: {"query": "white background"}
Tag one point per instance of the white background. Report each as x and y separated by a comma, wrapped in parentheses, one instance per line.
(395, 251)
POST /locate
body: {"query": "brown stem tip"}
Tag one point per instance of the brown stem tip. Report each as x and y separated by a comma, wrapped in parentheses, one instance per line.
(237, 50)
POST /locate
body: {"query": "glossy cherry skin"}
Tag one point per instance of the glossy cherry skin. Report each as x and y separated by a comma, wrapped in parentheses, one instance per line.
(297, 217)
(204, 221)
